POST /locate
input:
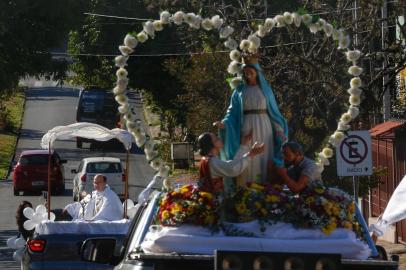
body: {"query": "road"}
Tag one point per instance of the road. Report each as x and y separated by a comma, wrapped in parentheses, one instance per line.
(45, 108)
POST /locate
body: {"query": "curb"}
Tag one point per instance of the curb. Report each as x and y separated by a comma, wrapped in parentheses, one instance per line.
(18, 136)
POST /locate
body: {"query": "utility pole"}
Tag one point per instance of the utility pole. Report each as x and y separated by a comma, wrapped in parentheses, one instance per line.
(386, 102)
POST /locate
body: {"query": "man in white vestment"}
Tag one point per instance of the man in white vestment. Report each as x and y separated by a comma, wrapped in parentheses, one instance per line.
(213, 169)
(101, 204)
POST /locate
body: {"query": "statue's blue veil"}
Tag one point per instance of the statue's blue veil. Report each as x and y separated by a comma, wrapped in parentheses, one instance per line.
(234, 117)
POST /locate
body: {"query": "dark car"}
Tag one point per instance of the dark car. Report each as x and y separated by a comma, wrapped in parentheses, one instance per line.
(97, 106)
(31, 172)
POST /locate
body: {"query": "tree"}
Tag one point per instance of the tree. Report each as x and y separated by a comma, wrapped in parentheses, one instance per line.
(28, 31)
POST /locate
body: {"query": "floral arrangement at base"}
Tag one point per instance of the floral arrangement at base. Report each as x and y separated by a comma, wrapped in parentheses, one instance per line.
(189, 205)
(326, 208)
(265, 203)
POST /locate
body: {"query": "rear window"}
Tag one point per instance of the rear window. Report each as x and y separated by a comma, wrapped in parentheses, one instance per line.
(92, 102)
(103, 167)
(34, 160)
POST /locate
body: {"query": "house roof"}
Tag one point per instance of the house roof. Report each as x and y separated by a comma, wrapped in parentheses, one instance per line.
(386, 127)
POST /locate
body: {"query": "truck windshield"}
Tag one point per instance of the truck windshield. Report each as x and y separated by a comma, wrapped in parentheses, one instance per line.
(103, 167)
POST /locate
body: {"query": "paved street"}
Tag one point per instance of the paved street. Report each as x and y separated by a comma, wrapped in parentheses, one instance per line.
(46, 108)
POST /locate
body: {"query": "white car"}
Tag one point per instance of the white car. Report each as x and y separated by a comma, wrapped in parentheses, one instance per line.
(89, 167)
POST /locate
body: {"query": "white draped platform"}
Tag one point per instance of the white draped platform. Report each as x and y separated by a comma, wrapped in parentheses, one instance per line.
(280, 237)
(83, 227)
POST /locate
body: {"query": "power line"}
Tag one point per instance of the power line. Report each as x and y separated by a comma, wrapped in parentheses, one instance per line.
(163, 54)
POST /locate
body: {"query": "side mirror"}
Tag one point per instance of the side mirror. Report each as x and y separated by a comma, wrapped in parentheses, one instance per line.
(98, 250)
(74, 171)
(63, 161)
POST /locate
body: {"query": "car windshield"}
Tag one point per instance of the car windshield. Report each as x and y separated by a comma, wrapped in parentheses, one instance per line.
(103, 167)
(92, 102)
(34, 160)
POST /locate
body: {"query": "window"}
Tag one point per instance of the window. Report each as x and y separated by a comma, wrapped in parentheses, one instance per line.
(103, 167)
(34, 160)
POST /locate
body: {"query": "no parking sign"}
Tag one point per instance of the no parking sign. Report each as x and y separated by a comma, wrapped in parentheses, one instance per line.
(354, 154)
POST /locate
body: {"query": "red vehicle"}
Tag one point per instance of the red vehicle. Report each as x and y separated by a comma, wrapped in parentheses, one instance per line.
(31, 172)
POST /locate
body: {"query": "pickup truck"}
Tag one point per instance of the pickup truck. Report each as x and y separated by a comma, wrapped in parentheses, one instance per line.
(60, 249)
(102, 251)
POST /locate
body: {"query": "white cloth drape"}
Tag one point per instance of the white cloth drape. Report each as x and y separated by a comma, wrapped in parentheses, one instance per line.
(395, 210)
(88, 131)
(261, 126)
(280, 237)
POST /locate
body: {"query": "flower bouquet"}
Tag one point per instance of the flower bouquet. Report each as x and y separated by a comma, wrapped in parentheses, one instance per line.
(265, 203)
(326, 208)
(188, 205)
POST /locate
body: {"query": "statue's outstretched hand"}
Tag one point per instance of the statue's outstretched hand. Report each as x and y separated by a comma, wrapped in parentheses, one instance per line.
(219, 124)
(256, 149)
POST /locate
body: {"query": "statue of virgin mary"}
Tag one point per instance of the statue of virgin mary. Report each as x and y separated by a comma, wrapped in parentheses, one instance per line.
(253, 108)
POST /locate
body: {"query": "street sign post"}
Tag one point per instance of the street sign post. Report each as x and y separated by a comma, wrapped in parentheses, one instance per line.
(354, 154)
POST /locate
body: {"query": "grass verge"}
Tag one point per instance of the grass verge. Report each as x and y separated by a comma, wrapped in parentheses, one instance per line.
(13, 112)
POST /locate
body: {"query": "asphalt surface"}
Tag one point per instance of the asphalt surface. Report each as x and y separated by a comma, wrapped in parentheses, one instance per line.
(45, 108)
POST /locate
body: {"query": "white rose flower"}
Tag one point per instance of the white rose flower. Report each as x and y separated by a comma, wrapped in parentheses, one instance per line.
(320, 24)
(226, 31)
(339, 136)
(178, 17)
(130, 41)
(328, 29)
(234, 67)
(136, 131)
(355, 70)
(190, 18)
(355, 82)
(307, 18)
(344, 42)
(167, 183)
(122, 83)
(121, 73)
(149, 28)
(207, 24)
(261, 31)
(353, 55)
(140, 140)
(327, 152)
(217, 21)
(338, 34)
(118, 90)
(196, 22)
(269, 23)
(343, 127)
(333, 141)
(346, 118)
(230, 44)
(149, 146)
(288, 17)
(355, 100)
(158, 25)
(130, 117)
(164, 171)
(157, 163)
(354, 91)
(323, 159)
(353, 111)
(235, 55)
(235, 82)
(125, 50)
(280, 20)
(165, 17)
(130, 125)
(121, 60)
(297, 19)
(151, 155)
(142, 37)
(255, 41)
(320, 167)
(121, 99)
(313, 28)
(245, 44)
(252, 49)
(124, 108)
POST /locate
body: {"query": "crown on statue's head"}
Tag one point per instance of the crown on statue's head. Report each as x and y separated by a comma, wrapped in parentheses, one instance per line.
(250, 58)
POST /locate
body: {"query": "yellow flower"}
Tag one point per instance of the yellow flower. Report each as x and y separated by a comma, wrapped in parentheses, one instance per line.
(319, 190)
(257, 187)
(184, 190)
(258, 205)
(176, 208)
(190, 211)
(272, 198)
(240, 208)
(309, 200)
(206, 195)
(165, 214)
(347, 225)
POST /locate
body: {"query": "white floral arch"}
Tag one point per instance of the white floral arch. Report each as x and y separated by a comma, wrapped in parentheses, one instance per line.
(249, 45)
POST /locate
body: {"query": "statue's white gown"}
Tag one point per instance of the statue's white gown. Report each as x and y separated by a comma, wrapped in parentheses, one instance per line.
(260, 124)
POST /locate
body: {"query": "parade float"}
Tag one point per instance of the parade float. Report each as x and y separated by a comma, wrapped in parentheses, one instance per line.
(258, 216)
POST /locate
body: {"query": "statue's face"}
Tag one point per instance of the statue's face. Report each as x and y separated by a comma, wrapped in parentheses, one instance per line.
(250, 74)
